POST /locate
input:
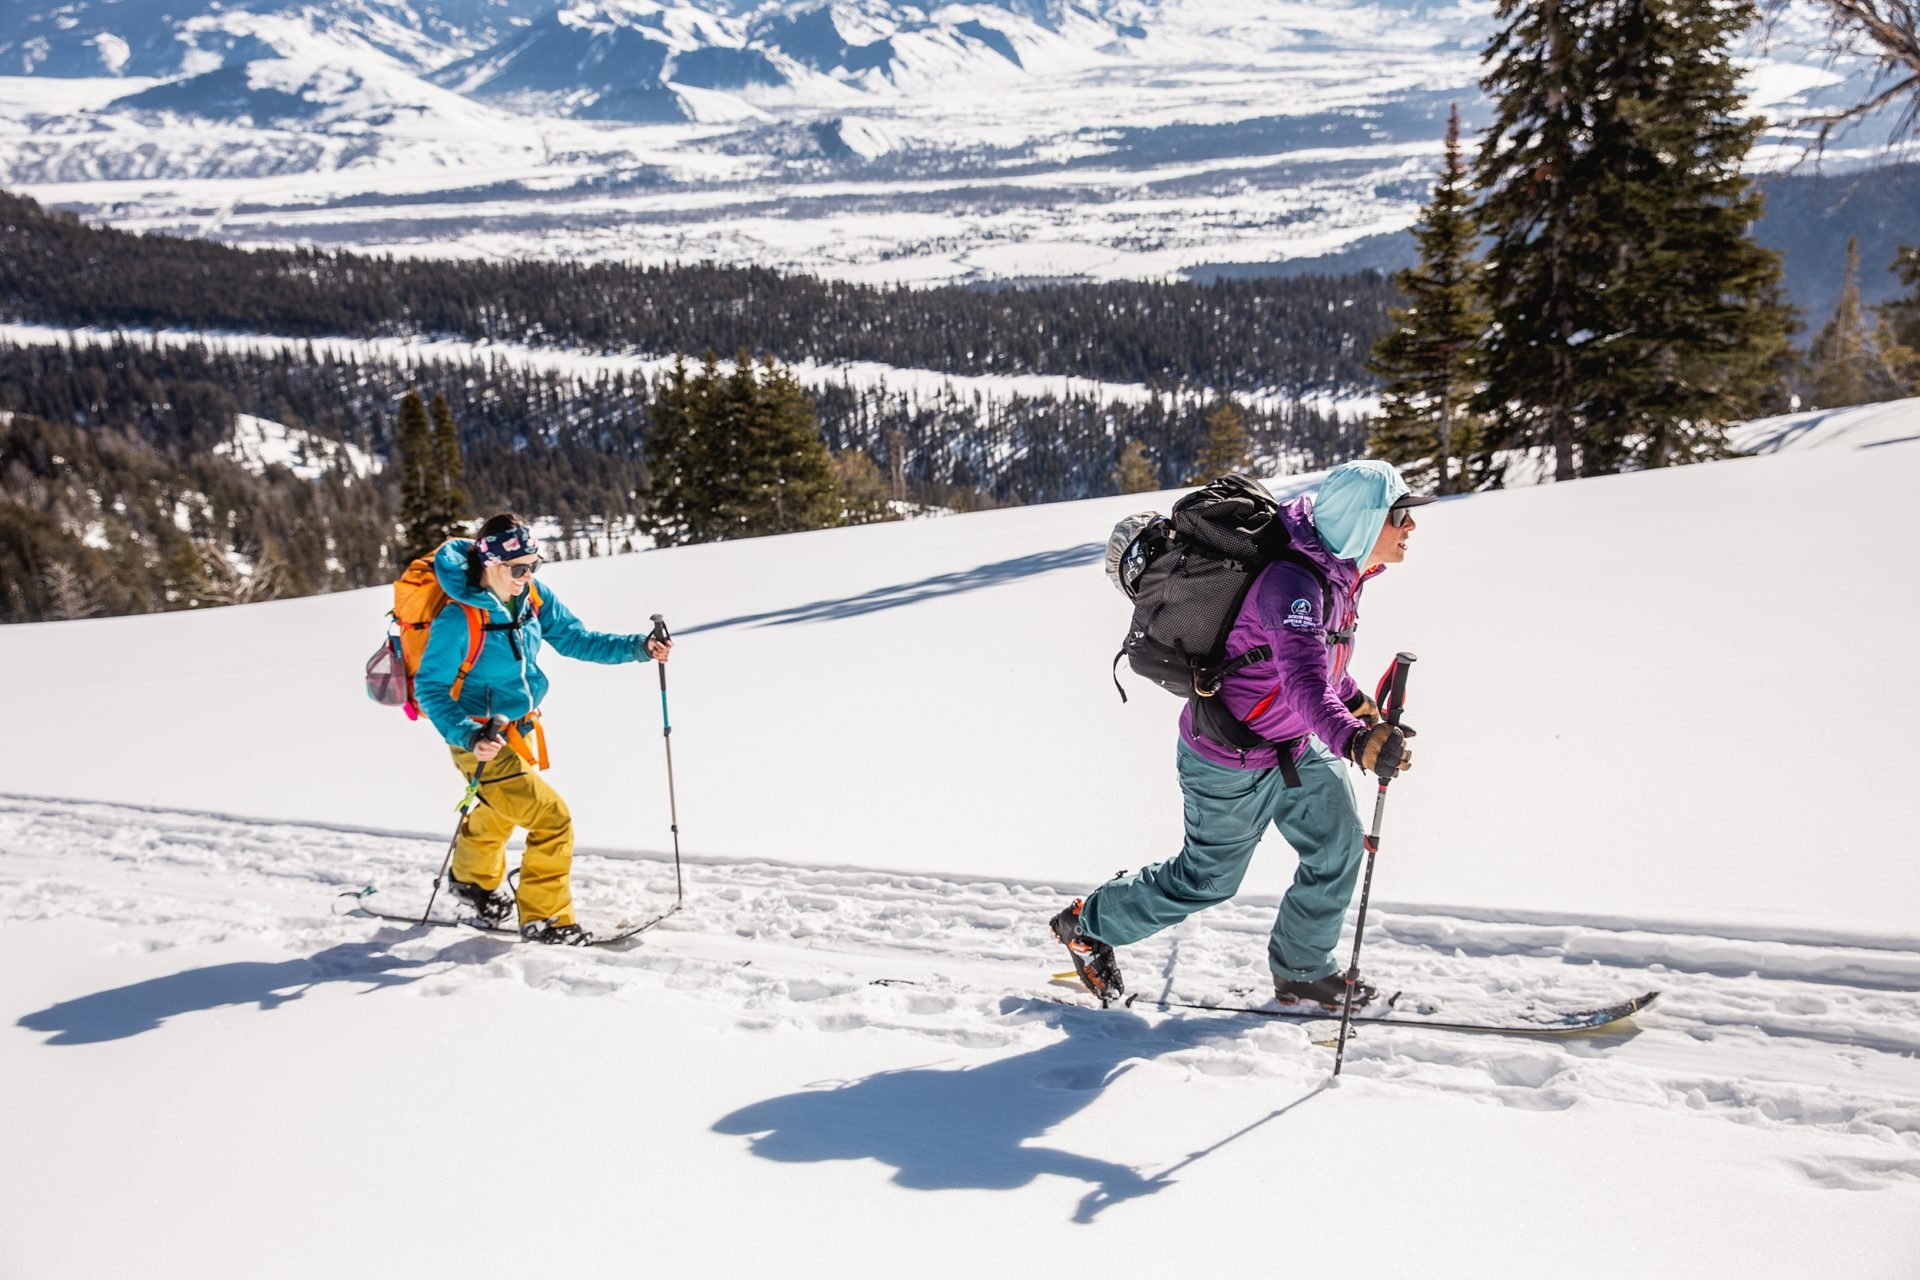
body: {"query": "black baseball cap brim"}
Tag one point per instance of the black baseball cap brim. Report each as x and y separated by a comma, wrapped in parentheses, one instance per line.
(1412, 500)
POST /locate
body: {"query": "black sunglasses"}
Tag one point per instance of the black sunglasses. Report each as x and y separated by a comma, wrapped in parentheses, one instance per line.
(520, 571)
(1398, 516)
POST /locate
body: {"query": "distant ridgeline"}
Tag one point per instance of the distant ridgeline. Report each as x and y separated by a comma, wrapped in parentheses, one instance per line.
(113, 498)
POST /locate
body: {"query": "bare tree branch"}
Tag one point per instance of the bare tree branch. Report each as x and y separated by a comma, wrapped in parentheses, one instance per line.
(1888, 31)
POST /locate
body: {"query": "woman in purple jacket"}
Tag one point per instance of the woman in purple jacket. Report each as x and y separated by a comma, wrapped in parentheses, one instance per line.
(1302, 714)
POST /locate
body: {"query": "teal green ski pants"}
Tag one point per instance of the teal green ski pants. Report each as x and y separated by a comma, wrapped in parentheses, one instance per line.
(1227, 812)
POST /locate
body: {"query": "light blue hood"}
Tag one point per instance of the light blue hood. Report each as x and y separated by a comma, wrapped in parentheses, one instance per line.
(1352, 505)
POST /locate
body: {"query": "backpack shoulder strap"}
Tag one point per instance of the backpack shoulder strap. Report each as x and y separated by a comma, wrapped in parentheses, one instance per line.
(476, 638)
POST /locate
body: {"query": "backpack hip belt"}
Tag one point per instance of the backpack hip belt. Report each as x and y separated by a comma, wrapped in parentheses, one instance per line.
(536, 754)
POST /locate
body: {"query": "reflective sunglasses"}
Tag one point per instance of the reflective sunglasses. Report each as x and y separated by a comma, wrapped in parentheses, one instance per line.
(1398, 516)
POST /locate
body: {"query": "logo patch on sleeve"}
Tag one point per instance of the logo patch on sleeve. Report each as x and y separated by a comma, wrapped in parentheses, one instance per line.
(1300, 616)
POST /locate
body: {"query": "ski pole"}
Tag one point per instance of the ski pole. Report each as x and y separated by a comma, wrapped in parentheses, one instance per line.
(491, 733)
(1396, 698)
(661, 634)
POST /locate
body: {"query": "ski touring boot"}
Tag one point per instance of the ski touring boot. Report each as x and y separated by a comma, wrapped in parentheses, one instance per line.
(1093, 959)
(491, 905)
(555, 935)
(1328, 993)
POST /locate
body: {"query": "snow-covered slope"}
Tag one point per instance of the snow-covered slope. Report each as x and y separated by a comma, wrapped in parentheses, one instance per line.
(1630, 704)
(1660, 748)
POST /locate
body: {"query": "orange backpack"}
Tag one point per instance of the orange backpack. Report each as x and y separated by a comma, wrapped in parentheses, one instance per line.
(417, 601)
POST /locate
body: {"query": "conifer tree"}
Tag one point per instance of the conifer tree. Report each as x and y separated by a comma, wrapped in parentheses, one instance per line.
(1899, 332)
(790, 477)
(862, 489)
(449, 470)
(1532, 174)
(185, 576)
(1631, 311)
(1840, 360)
(1135, 472)
(68, 593)
(1429, 360)
(1693, 320)
(735, 456)
(1227, 447)
(420, 506)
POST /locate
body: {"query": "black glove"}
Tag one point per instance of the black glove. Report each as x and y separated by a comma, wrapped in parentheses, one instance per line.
(1364, 707)
(1382, 750)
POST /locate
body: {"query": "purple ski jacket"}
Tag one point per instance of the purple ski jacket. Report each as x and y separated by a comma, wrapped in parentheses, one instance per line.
(1303, 688)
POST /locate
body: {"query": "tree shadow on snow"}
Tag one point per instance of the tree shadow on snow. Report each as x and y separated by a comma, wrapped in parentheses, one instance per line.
(127, 1011)
(976, 1127)
(906, 593)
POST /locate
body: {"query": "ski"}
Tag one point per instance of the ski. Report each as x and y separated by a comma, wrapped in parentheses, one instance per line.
(1541, 1023)
(623, 932)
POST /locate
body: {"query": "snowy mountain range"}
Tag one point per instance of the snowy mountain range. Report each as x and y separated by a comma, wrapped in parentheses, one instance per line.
(629, 60)
(863, 139)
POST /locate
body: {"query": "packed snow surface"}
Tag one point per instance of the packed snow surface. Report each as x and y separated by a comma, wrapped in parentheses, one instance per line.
(1653, 754)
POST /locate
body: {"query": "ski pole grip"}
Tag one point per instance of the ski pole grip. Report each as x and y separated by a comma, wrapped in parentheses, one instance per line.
(660, 631)
(1397, 693)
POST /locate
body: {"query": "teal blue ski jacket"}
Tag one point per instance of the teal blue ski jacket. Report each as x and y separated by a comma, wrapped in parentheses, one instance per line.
(506, 679)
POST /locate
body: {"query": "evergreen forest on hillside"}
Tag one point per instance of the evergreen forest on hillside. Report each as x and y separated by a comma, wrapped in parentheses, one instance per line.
(113, 500)
(1293, 335)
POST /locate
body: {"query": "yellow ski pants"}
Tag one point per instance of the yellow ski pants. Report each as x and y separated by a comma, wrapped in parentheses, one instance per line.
(512, 795)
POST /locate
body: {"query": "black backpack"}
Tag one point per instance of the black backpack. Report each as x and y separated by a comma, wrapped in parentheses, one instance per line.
(1187, 575)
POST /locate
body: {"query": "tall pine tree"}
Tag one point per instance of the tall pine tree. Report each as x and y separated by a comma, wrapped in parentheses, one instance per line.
(1841, 362)
(735, 455)
(419, 479)
(1632, 312)
(1900, 326)
(449, 471)
(1429, 361)
(1227, 447)
(1532, 174)
(1694, 321)
(1135, 472)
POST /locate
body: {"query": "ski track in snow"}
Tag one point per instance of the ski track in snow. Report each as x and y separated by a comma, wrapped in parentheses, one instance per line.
(1820, 1034)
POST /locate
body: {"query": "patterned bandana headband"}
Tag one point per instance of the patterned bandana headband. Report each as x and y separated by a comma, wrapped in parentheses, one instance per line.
(508, 544)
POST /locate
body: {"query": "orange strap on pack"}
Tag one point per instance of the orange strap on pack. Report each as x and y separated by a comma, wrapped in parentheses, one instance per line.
(476, 637)
(536, 754)
(519, 743)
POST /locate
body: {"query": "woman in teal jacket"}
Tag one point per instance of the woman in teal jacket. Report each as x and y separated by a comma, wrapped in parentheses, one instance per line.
(498, 706)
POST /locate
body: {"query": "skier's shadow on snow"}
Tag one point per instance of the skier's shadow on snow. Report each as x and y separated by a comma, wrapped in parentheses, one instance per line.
(975, 1127)
(122, 1012)
(906, 593)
